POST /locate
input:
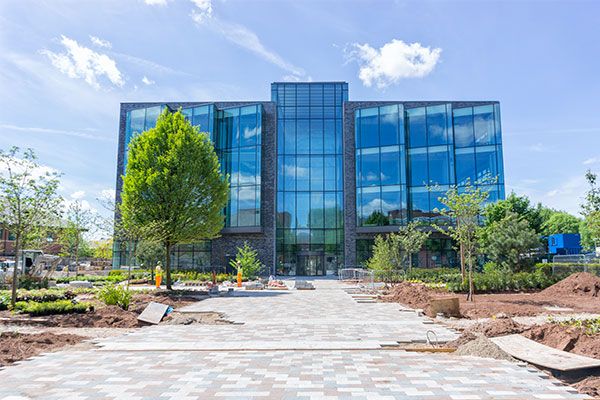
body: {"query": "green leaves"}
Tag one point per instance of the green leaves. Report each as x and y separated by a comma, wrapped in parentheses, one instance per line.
(249, 262)
(173, 190)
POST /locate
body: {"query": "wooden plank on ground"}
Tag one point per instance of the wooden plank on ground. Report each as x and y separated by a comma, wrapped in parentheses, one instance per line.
(153, 313)
(536, 353)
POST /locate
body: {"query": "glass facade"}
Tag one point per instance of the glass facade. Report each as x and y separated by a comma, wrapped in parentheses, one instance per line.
(401, 152)
(380, 166)
(310, 236)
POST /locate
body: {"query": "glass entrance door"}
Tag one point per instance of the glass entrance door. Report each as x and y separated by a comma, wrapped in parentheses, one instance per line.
(310, 264)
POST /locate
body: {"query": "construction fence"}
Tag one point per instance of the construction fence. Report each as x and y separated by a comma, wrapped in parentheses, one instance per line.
(568, 264)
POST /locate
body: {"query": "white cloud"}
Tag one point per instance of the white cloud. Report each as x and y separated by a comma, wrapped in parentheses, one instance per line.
(55, 132)
(393, 61)
(591, 161)
(101, 42)
(147, 81)
(82, 62)
(108, 194)
(77, 195)
(156, 2)
(241, 36)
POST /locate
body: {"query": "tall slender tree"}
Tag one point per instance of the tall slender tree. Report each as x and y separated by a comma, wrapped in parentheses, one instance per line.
(464, 208)
(173, 188)
(412, 238)
(29, 200)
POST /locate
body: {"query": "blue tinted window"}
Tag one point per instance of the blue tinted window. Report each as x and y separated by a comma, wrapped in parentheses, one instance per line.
(418, 167)
(486, 162)
(247, 166)
(303, 173)
(290, 136)
(247, 206)
(303, 96)
(329, 171)
(316, 210)
(438, 165)
(391, 204)
(339, 175)
(302, 209)
(390, 165)
(233, 207)
(415, 121)
(281, 138)
(388, 125)
(136, 121)
(248, 126)
(483, 117)
(302, 136)
(316, 173)
(371, 206)
(369, 129)
(338, 136)
(497, 123)
(463, 127)
(370, 170)
(500, 166)
(290, 210)
(419, 201)
(329, 136)
(465, 166)
(436, 125)
(316, 95)
(187, 113)
(316, 136)
(200, 118)
(152, 114)
(435, 203)
(330, 210)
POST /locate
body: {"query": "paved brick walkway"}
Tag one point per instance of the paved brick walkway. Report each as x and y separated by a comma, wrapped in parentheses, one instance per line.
(318, 344)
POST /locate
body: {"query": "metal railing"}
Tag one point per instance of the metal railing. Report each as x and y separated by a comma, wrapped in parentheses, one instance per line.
(576, 263)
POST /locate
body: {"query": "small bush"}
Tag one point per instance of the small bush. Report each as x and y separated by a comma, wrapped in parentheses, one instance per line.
(113, 295)
(29, 283)
(52, 307)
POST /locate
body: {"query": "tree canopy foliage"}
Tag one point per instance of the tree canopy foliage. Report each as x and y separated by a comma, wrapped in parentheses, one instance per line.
(508, 239)
(536, 215)
(560, 222)
(173, 189)
(29, 200)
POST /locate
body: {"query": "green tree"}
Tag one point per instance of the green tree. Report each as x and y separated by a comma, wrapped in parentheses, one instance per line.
(29, 200)
(383, 257)
(508, 239)
(149, 254)
(250, 265)
(411, 240)
(377, 218)
(561, 222)
(464, 207)
(520, 205)
(173, 190)
(77, 221)
(590, 208)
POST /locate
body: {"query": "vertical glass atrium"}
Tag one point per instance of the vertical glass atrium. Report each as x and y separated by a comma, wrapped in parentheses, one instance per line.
(310, 233)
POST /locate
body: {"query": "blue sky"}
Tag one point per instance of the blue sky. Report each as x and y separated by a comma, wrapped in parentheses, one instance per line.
(66, 65)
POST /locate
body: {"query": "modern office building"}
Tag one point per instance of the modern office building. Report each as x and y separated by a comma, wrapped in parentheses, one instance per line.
(315, 177)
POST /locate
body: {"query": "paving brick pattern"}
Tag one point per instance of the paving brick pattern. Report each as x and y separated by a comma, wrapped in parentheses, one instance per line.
(241, 366)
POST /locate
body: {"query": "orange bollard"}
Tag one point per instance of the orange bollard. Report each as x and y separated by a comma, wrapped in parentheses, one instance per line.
(239, 279)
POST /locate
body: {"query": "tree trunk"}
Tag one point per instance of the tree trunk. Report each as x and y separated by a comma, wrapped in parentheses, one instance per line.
(77, 257)
(168, 246)
(129, 264)
(15, 281)
(462, 261)
(410, 263)
(470, 298)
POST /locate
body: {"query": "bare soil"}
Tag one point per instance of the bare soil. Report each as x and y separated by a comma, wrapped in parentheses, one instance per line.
(18, 346)
(413, 295)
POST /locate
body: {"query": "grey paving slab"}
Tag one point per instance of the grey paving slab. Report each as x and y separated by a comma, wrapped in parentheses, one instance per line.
(317, 344)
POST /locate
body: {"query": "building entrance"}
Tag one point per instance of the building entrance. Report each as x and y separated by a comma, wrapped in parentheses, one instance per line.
(310, 263)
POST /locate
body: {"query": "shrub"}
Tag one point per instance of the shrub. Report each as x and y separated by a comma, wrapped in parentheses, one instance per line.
(113, 295)
(52, 307)
(248, 258)
(29, 283)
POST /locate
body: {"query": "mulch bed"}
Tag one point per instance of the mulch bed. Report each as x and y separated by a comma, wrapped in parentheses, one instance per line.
(18, 346)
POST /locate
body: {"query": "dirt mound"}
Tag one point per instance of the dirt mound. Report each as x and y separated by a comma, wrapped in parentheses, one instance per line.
(581, 283)
(481, 346)
(18, 346)
(589, 386)
(411, 295)
(566, 338)
(175, 301)
(105, 317)
(498, 327)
